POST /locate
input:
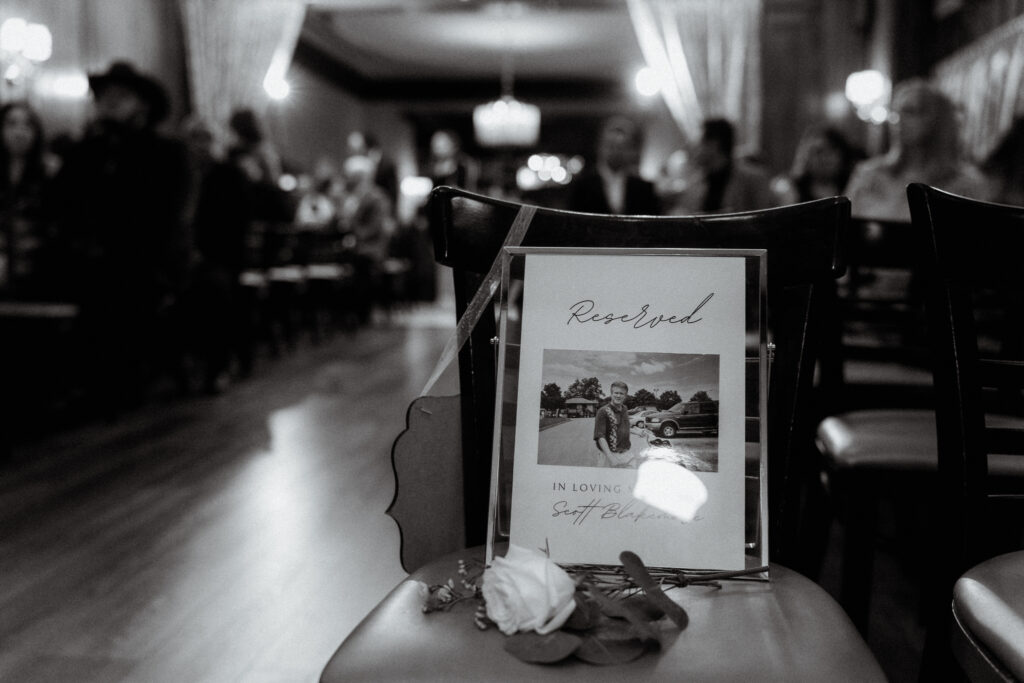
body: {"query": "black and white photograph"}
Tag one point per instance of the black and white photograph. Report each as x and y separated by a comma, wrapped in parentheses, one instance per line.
(620, 409)
(251, 323)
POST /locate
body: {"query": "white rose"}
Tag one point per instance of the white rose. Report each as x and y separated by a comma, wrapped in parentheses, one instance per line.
(525, 591)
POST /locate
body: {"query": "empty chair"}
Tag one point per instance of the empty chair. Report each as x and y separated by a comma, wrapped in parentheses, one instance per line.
(972, 251)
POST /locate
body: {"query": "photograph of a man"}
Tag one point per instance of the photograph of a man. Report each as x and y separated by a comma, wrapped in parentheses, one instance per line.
(611, 428)
(670, 415)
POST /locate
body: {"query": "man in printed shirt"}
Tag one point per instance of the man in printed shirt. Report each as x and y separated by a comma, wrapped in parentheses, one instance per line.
(611, 428)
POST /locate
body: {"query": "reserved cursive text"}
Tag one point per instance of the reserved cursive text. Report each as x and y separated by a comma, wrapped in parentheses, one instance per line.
(583, 312)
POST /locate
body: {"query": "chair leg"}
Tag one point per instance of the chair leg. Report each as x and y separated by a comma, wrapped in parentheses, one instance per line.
(858, 555)
(816, 523)
(937, 660)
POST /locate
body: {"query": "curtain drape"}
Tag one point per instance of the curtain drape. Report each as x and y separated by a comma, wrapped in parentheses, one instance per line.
(707, 56)
(232, 47)
(985, 80)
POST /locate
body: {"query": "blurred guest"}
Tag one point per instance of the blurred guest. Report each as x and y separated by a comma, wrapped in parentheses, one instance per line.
(320, 201)
(821, 167)
(385, 173)
(1004, 167)
(366, 211)
(674, 178)
(614, 185)
(366, 217)
(722, 182)
(56, 152)
(200, 146)
(925, 148)
(449, 165)
(236, 194)
(23, 225)
(120, 197)
(252, 146)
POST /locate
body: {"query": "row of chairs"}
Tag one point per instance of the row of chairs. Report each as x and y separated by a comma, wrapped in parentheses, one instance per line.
(296, 285)
(959, 320)
(962, 243)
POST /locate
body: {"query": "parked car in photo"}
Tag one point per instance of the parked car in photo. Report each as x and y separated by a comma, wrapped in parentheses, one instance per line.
(639, 418)
(685, 417)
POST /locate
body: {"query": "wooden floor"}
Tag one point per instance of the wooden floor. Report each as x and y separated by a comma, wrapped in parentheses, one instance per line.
(230, 538)
(241, 537)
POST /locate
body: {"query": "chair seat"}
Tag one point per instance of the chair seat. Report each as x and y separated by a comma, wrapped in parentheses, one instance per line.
(898, 441)
(788, 629)
(988, 604)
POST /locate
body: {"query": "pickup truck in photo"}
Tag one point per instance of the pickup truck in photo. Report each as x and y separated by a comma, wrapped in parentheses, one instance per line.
(685, 417)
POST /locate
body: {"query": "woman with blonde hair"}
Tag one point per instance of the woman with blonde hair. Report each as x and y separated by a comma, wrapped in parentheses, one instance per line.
(925, 148)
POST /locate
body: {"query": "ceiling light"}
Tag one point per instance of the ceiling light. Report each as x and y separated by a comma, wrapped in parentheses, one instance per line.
(277, 88)
(12, 34)
(506, 122)
(38, 43)
(646, 82)
(868, 91)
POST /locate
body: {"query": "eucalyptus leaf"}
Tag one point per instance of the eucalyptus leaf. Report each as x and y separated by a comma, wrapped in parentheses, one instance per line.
(603, 651)
(585, 616)
(615, 629)
(643, 603)
(623, 610)
(542, 649)
(638, 572)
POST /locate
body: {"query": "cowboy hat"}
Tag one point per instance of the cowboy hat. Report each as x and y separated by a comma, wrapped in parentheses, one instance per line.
(147, 88)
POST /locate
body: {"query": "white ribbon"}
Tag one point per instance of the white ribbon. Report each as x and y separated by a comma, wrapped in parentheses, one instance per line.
(481, 299)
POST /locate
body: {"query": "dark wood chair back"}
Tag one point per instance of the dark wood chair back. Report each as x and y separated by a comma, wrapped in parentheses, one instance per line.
(975, 303)
(804, 257)
(875, 352)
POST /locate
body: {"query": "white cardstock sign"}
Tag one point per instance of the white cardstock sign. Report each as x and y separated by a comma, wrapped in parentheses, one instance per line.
(660, 324)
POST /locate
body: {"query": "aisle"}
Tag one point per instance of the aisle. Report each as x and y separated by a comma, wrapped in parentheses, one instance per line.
(233, 538)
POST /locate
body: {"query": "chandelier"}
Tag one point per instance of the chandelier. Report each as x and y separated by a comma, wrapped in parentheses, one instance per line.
(506, 122)
(23, 46)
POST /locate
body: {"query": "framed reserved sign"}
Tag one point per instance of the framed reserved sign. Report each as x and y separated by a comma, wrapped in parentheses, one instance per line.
(630, 390)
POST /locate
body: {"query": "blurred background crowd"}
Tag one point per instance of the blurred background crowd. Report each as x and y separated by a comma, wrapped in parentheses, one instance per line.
(182, 252)
(177, 246)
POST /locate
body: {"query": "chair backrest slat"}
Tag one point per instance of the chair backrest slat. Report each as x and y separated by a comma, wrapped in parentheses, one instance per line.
(1004, 440)
(997, 373)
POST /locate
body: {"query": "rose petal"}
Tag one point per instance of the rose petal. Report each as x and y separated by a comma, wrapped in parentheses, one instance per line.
(526, 591)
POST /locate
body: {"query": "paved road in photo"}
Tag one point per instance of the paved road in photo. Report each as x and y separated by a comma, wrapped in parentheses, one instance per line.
(572, 444)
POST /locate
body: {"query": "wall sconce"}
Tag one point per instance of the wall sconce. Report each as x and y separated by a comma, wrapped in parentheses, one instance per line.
(868, 91)
(23, 46)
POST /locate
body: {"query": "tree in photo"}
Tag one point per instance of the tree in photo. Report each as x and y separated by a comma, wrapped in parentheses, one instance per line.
(643, 397)
(589, 388)
(701, 396)
(551, 397)
(668, 399)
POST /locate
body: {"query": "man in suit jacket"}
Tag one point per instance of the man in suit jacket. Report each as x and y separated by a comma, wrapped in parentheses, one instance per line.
(613, 186)
(723, 183)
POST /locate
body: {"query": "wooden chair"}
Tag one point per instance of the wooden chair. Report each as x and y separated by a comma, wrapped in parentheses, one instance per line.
(975, 301)
(786, 629)
(874, 351)
(885, 449)
(877, 440)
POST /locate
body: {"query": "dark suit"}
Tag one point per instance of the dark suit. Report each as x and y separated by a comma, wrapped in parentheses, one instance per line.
(587, 194)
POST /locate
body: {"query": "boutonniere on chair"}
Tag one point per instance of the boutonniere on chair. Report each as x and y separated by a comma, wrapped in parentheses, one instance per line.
(601, 615)
(548, 616)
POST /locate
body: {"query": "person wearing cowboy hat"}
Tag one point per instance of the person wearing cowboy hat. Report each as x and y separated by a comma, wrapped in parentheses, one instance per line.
(121, 197)
(128, 97)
